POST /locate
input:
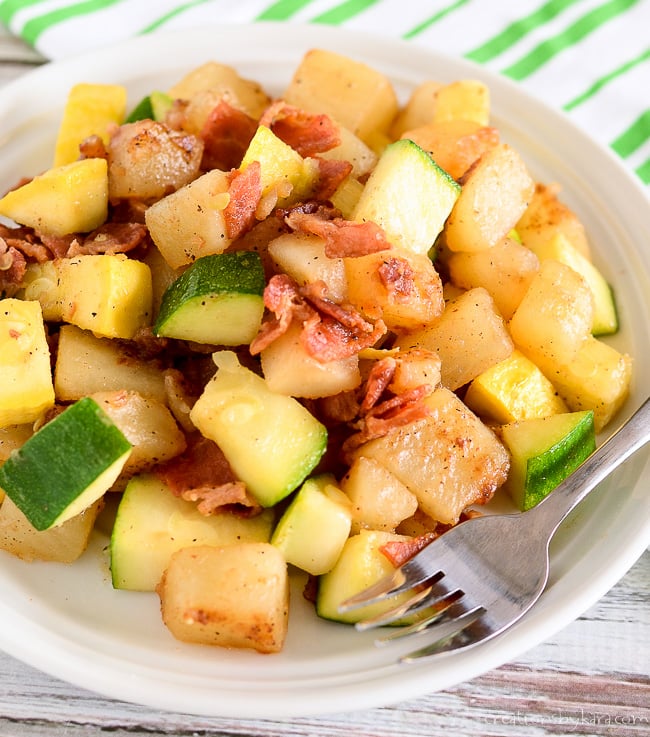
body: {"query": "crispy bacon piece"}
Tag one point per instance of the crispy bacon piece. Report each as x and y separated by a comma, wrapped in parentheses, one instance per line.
(397, 276)
(343, 238)
(329, 331)
(308, 134)
(109, 238)
(399, 551)
(23, 239)
(93, 147)
(12, 266)
(245, 193)
(331, 173)
(202, 474)
(378, 380)
(226, 134)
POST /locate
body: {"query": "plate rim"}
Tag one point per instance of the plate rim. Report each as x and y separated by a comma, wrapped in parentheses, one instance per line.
(137, 687)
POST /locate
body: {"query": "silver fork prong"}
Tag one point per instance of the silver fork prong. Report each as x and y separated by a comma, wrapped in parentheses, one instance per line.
(444, 611)
(449, 629)
(460, 634)
(394, 584)
(416, 603)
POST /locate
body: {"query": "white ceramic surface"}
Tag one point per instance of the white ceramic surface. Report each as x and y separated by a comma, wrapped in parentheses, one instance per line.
(69, 622)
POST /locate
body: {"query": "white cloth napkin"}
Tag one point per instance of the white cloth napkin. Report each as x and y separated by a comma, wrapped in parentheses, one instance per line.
(590, 58)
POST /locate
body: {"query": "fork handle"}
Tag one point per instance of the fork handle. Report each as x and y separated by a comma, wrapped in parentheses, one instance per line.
(629, 438)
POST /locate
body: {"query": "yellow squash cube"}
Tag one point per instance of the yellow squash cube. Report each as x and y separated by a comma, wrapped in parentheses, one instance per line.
(66, 199)
(283, 170)
(108, 294)
(514, 389)
(90, 110)
(26, 389)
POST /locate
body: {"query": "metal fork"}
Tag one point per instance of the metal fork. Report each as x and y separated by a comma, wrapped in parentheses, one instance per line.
(479, 578)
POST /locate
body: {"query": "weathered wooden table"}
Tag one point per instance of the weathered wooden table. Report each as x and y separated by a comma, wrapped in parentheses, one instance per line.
(593, 678)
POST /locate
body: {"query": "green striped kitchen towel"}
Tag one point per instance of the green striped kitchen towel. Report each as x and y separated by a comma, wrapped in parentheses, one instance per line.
(588, 57)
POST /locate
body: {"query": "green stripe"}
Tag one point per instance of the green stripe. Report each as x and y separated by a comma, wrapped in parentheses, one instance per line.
(11, 7)
(644, 172)
(283, 9)
(517, 30)
(343, 12)
(571, 35)
(33, 28)
(606, 79)
(154, 25)
(428, 22)
(636, 135)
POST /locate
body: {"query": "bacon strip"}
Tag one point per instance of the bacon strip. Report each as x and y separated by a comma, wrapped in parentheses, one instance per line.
(331, 173)
(109, 238)
(399, 552)
(343, 238)
(306, 133)
(226, 134)
(12, 266)
(202, 474)
(245, 193)
(329, 331)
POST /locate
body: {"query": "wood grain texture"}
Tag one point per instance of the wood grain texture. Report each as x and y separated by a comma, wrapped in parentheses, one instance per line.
(592, 678)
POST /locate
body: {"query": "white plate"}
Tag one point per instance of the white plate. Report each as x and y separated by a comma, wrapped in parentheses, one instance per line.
(69, 622)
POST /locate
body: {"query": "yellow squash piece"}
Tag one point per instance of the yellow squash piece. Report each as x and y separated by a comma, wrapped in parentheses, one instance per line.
(512, 390)
(66, 199)
(283, 170)
(26, 389)
(109, 294)
(90, 110)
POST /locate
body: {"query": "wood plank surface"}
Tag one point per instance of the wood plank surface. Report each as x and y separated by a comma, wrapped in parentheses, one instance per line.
(592, 678)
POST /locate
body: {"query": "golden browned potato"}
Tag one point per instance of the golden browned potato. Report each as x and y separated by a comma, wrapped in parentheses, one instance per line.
(449, 459)
(470, 336)
(232, 596)
(62, 544)
(496, 192)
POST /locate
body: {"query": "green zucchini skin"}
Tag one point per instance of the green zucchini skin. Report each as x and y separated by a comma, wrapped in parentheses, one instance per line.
(217, 300)
(65, 466)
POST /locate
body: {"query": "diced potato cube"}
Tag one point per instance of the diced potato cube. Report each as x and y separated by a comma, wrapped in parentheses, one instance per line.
(464, 99)
(147, 160)
(289, 369)
(67, 199)
(147, 424)
(26, 389)
(415, 367)
(514, 389)
(598, 378)
(546, 216)
(358, 97)
(205, 85)
(454, 144)
(496, 192)
(449, 459)
(189, 223)
(354, 150)
(418, 110)
(554, 317)
(62, 544)
(380, 501)
(303, 258)
(232, 596)
(505, 271)
(90, 110)
(86, 364)
(378, 285)
(470, 337)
